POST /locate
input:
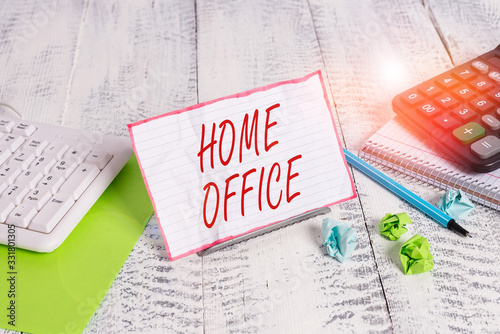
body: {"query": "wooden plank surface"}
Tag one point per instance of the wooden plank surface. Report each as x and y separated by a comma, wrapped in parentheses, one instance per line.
(38, 44)
(282, 281)
(395, 52)
(136, 60)
(99, 65)
(126, 62)
(467, 28)
(145, 66)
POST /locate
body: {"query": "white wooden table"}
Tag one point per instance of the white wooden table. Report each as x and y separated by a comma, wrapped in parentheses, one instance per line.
(99, 65)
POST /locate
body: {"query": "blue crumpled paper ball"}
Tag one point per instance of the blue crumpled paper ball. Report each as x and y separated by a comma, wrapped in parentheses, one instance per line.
(339, 238)
(455, 204)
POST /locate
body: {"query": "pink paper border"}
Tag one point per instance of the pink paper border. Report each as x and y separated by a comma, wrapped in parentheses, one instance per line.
(238, 95)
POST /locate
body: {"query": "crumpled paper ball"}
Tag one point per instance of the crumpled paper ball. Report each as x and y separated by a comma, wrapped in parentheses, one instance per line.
(455, 204)
(393, 226)
(415, 256)
(339, 238)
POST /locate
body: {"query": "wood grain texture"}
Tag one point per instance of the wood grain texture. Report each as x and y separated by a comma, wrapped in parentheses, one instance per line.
(282, 281)
(137, 59)
(467, 28)
(391, 35)
(99, 65)
(372, 51)
(38, 42)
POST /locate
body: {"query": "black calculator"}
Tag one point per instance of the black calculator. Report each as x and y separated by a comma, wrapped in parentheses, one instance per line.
(459, 110)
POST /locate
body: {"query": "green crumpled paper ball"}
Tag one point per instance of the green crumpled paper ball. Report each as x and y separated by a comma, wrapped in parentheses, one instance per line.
(415, 255)
(393, 226)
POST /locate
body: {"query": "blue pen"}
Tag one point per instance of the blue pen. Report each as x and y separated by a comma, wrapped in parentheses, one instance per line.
(405, 194)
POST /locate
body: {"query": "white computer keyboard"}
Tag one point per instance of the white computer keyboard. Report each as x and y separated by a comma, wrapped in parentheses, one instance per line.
(50, 176)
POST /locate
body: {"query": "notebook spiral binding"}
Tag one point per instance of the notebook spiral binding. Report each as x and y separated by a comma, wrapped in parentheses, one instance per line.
(431, 174)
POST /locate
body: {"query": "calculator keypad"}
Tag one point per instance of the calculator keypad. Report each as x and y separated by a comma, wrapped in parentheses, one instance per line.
(469, 133)
(486, 147)
(460, 111)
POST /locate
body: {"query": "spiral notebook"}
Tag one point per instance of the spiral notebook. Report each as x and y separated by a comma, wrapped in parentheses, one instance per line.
(398, 148)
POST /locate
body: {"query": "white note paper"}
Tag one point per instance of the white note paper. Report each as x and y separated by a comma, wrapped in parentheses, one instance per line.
(223, 168)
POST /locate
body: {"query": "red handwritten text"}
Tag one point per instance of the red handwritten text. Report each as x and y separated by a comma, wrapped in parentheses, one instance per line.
(272, 185)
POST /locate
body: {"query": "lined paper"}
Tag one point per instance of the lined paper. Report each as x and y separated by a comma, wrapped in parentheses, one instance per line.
(396, 146)
(227, 167)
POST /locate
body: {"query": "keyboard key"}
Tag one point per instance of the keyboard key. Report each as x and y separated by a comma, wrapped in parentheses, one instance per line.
(21, 159)
(43, 163)
(6, 207)
(446, 101)
(51, 183)
(480, 67)
(4, 155)
(77, 154)
(36, 146)
(481, 85)
(8, 174)
(98, 158)
(429, 90)
(24, 129)
(15, 193)
(64, 168)
(447, 82)
(22, 215)
(464, 73)
(446, 122)
(469, 132)
(481, 104)
(81, 178)
(56, 149)
(429, 109)
(29, 178)
(3, 186)
(11, 142)
(52, 213)
(486, 147)
(6, 125)
(491, 122)
(37, 198)
(412, 98)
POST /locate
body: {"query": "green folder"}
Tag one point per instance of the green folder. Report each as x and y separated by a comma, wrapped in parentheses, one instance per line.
(60, 291)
